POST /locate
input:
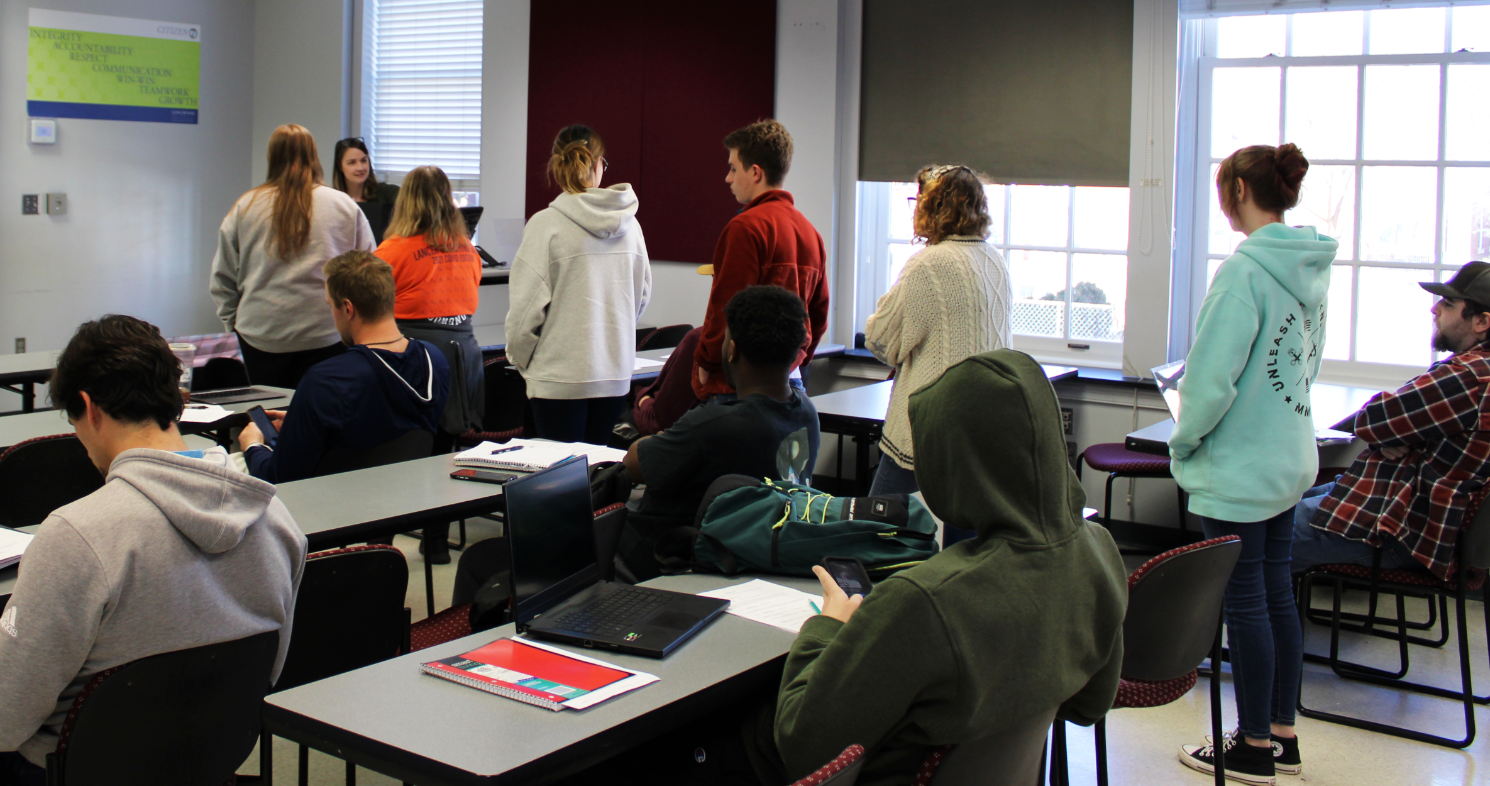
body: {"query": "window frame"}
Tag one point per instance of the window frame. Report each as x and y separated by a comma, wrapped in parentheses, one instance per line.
(1197, 160)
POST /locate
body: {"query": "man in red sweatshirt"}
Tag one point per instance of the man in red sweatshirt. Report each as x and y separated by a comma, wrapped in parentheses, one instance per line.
(769, 242)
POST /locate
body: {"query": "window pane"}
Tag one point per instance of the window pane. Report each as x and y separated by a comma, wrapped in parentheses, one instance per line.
(899, 253)
(995, 194)
(1210, 272)
(1398, 206)
(1337, 314)
(1250, 36)
(1099, 296)
(1321, 111)
(1468, 114)
(1402, 112)
(1222, 239)
(1327, 203)
(901, 227)
(1400, 327)
(1101, 218)
(1406, 31)
(1472, 28)
(1323, 35)
(1037, 277)
(1039, 215)
(1466, 215)
(1244, 108)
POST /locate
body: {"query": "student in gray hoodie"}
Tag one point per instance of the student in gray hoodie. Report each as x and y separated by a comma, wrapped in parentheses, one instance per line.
(177, 550)
(579, 284)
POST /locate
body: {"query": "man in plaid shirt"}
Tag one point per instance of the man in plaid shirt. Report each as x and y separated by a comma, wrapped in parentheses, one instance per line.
(1429, 450)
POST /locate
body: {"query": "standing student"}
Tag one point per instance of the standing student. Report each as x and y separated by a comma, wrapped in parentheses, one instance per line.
(353, 175)
(950, 302)
(579, 283)
(1243, 447)
(437, 278)
(769, 242)
(266, 277)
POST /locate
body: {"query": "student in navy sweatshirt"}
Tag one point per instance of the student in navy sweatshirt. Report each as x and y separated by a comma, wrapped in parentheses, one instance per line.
(384, 385)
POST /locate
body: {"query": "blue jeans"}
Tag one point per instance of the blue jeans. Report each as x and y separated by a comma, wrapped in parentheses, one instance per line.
(577, 420)
(1313, 546)
(891, 478)
(1262, 623)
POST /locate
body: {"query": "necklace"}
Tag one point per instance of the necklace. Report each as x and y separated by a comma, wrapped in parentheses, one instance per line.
(381, 343)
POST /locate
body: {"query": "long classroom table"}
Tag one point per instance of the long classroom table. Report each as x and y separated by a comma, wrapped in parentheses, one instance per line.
(22, 373)
(15, 429)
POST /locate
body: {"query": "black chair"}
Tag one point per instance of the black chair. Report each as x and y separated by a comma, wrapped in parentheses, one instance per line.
(841, 771)
(1472, 558)
(188, 717)
(508, 413)
(1013, 756)
(220, 374)
(662, 338)
(1173, 623)
(42, 474)
(609, 521)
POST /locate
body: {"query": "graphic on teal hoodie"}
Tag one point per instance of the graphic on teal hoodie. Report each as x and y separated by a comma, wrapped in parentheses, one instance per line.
(1244, 444)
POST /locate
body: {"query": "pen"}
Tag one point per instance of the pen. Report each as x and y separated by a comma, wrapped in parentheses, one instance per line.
(505, 450)
(815, 609)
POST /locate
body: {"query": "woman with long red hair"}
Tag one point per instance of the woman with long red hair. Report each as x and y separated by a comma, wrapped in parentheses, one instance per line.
(266, 277)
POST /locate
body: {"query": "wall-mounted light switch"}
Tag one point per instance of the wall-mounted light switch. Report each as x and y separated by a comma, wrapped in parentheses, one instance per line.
(56, 204)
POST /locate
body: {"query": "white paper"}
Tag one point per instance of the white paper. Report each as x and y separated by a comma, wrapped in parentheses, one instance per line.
(769, 604)
(636, 680)
(203, 413)
(12, 545)
(644, 364)
(534, 453)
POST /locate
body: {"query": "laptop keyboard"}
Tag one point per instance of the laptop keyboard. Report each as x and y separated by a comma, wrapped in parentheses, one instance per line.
(217, 394)
(612, 613)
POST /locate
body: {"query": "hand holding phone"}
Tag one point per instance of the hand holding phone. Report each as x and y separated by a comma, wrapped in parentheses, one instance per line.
(849, 574)
(266, 427)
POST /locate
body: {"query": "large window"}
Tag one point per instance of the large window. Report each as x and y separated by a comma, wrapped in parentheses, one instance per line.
(1390, 108)
(425, 71)
(1067, 253)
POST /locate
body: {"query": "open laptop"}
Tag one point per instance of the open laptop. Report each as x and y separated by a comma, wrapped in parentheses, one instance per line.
(556, 588)
(235, 395)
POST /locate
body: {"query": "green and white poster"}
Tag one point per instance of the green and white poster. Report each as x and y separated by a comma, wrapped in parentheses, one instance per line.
(112, 68)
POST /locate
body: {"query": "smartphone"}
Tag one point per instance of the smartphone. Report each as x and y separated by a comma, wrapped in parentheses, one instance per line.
(850, 574)
(266, 426)
(483, 475)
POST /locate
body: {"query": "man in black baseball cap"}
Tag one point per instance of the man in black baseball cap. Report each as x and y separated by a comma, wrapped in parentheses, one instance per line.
(1431, 423)
(1460, 319)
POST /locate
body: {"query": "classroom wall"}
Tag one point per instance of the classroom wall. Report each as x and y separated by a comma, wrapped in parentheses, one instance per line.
(145, 198)
(301, 74)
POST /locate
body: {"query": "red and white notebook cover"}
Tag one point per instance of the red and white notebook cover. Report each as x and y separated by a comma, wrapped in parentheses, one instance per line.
(537, 674)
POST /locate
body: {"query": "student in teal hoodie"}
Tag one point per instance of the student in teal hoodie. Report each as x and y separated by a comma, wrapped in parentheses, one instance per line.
(1244, 444)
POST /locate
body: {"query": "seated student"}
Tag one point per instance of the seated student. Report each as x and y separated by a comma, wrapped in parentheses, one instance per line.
(1408, 494)
(769, 431)
(661, 403)
(384, 386)
(1025, 619)
(177, 550)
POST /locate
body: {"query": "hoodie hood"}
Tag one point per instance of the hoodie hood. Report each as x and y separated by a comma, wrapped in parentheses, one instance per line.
(407, 378)
(1298, 258)
(990, 455)
(603, 212)
(206, 499)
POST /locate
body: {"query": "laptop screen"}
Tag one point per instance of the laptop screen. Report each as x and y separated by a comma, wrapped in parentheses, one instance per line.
(551, 529)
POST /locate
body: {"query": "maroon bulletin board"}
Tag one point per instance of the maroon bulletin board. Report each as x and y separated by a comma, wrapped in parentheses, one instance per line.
(662, 82)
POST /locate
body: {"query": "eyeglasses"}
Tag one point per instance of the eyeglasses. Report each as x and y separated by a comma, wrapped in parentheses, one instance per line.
(604, 165)
(912, 202)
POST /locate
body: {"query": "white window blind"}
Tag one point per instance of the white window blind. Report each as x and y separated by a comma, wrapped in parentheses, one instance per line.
(1192, 9)
(426, 92)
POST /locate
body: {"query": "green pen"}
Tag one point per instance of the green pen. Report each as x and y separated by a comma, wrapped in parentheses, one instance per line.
(815, 609)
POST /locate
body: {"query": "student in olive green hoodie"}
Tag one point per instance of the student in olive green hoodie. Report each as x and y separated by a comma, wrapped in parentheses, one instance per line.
(1026, 619)
(1243, 446)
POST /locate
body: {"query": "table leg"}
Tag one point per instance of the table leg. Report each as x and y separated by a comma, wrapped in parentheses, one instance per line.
(28, 396)
(861, 461)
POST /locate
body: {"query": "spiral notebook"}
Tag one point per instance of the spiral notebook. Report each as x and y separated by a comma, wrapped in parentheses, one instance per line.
(537, 674)
(532, 455)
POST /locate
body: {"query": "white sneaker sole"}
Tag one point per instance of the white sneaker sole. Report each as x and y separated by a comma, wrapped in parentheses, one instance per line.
(1231, 775)
(1289, 769)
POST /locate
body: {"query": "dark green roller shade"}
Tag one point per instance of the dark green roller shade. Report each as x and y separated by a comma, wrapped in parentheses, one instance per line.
(1027, 91)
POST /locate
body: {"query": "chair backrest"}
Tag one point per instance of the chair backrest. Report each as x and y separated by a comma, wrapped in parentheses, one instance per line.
(220, 374)
(1013, 756)
(609, 522)
(42, 474)
(663, 337)
(412, 444)
(349, 613)
(841, 771)
(188, 717)
(506, 398)
(1474, 544)
(1174, 605)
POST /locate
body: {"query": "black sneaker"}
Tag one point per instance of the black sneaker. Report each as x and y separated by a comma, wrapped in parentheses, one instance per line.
(1286, 755)
(1244, 763)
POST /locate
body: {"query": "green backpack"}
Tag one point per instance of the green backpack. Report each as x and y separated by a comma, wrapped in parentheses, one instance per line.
(772, 526)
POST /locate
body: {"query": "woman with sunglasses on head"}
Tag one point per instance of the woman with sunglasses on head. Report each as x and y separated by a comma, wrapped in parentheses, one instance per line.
(354, 176)
(266, 276)
(579, 283)
(951, 301)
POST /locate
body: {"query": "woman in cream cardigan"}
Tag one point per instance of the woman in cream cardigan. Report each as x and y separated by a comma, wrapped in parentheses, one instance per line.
(951, 302)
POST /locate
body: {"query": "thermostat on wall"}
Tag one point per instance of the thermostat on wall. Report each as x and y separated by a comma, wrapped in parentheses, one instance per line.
(43, 132)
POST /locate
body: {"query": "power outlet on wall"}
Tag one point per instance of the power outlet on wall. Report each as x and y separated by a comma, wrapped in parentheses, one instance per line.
(30, 204)
(20, 346)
